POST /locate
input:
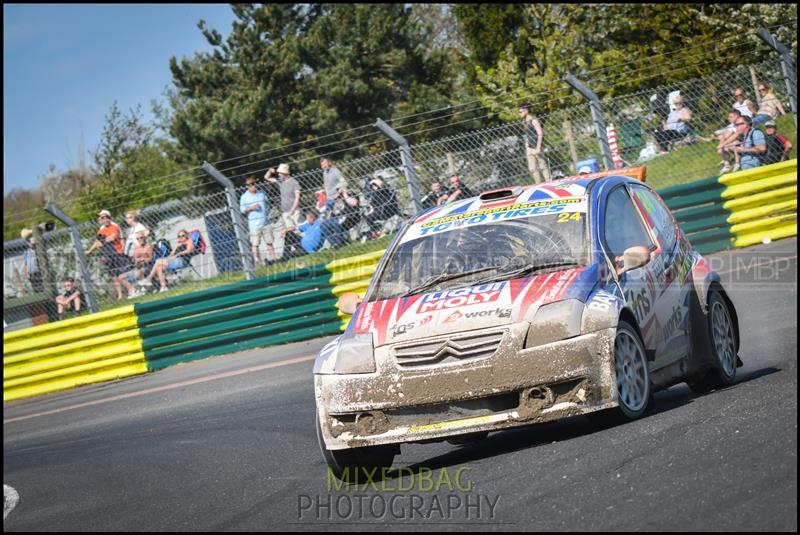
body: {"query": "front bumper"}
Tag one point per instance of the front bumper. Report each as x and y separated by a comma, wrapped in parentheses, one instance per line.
(512, 387)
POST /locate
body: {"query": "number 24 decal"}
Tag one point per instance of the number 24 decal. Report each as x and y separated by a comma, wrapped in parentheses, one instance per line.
(563, 217)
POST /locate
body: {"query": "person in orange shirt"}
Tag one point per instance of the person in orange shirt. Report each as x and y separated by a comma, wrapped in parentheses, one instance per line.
(109, 241)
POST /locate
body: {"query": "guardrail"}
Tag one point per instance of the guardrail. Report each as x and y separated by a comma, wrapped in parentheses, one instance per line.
(286, 307)
(73, 352)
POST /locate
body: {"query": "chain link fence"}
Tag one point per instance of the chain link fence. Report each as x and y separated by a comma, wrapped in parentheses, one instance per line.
(378, 199)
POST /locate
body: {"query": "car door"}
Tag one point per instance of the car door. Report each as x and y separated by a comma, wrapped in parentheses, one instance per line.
(672, 285)
(622, 228)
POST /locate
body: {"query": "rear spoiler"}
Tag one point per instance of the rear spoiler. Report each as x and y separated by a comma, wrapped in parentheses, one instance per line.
(639, 173)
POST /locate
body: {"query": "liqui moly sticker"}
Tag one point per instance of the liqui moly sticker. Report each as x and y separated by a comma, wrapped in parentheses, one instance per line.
(485, 293)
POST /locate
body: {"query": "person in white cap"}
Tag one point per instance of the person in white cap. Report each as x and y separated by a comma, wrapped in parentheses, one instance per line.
(290, 197)
(109, 241)
(778, 147)
(585, 170)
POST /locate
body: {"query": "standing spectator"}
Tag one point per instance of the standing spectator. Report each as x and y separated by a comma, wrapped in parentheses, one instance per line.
(753, 144)
(70, 299)
(254, 204)
(132, 218)
(533, 136)
(435, 197)
(109, 241)
(290, 195)
(744, 105)
(675, 127)
(142, 264)
(728, 138)
(458, 190)
(31, 268)
(384, 205)
(179, 258)
(778, 147)
(333, 181)
(770, 106)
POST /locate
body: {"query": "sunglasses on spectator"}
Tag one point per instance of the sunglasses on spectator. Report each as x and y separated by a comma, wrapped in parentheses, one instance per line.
(762, 88)
(181, 235)
(739, 124)
(141, 239)
(738, 95)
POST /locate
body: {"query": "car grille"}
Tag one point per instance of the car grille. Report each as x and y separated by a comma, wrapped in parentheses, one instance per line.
(450, 349)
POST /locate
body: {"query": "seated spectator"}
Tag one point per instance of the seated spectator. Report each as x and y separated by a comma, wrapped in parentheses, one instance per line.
(132, 218)
(70, 299)
(435, 196)
(770, 106)
(458, 190)
(315, 231)
(778, 147)
(383, 205)
(742, 104)
(753, 144)
(179, 258)
(109, 242)
(346, 211)
(675, 127)
(142, 264)
(728, 138)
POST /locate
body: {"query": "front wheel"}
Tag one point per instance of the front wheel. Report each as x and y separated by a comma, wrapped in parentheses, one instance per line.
(345, 464)
(634, 392)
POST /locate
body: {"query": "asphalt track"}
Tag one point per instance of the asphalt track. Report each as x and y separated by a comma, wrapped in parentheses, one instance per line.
(228, 444)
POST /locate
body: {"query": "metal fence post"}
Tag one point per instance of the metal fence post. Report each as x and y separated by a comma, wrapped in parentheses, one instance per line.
(242, 238)
(787, 66)
(88, 287)
(597, 117)
(408, 163)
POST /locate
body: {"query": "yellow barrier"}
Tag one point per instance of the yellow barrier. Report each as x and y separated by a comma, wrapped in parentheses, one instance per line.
(64, 354)
(762, 202)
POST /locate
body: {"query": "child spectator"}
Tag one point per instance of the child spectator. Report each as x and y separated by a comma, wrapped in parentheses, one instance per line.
(70, 299)
(778, 147)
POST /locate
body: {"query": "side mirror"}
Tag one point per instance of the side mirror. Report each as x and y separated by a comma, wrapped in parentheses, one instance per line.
(348, 302)
(634, 257)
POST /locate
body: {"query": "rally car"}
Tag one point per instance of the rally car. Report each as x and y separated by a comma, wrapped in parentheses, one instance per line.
(519, 306)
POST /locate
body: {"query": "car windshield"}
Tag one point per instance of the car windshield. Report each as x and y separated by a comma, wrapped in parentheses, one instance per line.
(479, 254)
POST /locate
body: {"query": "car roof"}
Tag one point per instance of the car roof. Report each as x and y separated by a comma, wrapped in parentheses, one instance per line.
(575, 186)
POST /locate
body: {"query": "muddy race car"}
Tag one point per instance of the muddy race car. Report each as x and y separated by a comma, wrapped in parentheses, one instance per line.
(519, 306)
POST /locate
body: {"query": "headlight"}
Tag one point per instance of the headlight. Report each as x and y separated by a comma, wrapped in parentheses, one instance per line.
(554, 322)
(356, 354)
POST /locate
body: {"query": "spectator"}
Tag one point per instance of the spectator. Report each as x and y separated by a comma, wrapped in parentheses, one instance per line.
(770, 106)
(435, 197)
(109, 241)
(70, 299)
(728, 138)
(675, 127)
(533, 136)
(142, 263)
(753, 144)
(179, 258)
(31, 268)
(346, 211)
(332, 180)
(290, 196)
(459, 190)
(254, 204)
(384, 205)
(315, 231)
(778, 147)
(743, 104)
(132, 219)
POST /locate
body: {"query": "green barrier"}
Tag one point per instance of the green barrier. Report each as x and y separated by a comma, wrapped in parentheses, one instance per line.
(704, 224)
(694, 199)
(686, 189)
(700, 212)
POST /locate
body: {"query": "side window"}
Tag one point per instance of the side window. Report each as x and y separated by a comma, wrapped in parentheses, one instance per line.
(659, 215)
(623, 227)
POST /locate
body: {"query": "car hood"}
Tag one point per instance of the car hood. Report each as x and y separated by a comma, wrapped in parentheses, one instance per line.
(473, 307)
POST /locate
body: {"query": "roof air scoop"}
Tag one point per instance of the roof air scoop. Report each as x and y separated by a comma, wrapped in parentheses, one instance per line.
(502, 193)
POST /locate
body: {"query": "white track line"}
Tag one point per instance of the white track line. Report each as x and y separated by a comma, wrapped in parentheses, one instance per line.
(10, 499)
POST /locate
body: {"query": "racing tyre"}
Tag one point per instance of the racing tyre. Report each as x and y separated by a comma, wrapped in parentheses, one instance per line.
(634, 392)
(722, 338)
(346, 463)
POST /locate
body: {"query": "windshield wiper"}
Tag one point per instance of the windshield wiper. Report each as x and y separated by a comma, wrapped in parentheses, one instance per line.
(526, 269)
(430, 282)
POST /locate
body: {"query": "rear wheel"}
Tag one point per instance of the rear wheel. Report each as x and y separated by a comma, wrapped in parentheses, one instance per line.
(344, 464)
(722, 337)
(634, 392)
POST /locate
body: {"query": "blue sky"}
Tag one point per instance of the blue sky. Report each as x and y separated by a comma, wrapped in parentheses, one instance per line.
(65, 65)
